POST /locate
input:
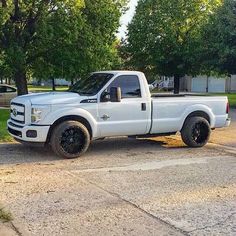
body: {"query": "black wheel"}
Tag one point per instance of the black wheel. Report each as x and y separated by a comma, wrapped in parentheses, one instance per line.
(70, 139)
(196, 132)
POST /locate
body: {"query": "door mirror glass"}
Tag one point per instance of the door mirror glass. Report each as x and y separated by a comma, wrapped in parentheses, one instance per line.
(115, 94)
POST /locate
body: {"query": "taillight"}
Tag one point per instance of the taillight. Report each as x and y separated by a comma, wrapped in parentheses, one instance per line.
(227, 108)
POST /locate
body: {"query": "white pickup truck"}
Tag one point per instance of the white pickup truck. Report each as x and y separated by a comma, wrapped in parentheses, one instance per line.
(113, 103)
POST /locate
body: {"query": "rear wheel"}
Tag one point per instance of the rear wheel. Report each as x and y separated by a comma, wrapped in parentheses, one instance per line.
(196, 132)
(70, 139)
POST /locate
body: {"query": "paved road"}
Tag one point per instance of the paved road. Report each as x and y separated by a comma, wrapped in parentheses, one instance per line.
(226, 136)
(122, 187)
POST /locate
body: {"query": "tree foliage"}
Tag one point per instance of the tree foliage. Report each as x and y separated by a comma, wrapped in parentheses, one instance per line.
(219, 37)
(55, 38)
(164, 35)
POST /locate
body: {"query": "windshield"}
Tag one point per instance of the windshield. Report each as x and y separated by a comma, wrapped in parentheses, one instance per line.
(91, 85)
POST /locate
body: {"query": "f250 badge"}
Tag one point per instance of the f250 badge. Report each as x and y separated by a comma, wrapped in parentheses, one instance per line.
(89, 101)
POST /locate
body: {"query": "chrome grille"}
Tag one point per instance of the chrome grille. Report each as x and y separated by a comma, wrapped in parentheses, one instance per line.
(18, 113)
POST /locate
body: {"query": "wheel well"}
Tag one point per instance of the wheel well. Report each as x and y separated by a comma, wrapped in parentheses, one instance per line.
(199, 113)
(71, 118)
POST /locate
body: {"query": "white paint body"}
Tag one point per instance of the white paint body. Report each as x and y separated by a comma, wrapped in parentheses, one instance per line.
(162, 114)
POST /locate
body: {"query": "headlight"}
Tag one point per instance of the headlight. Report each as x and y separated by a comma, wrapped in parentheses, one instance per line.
(37, 113)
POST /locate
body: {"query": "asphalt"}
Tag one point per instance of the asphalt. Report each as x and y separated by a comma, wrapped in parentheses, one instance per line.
(123, 187)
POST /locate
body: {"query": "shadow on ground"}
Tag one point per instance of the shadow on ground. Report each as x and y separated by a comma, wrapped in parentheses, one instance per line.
(14, 153)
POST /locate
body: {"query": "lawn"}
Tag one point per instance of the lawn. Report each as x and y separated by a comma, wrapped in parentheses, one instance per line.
(38, 89)
(4, 116)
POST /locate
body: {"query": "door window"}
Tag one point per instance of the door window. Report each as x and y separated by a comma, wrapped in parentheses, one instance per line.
(3, 89)
(10, 90)
(129, 84)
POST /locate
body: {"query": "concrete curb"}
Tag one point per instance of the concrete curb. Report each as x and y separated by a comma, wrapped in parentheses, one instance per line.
(228, 149)
(7, 230)
(13, 228)
(19, 228)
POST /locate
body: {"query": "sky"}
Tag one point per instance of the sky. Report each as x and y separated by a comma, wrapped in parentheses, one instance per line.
(126, 18)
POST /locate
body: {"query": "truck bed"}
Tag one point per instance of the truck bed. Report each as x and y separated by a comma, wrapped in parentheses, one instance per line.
(171, 110)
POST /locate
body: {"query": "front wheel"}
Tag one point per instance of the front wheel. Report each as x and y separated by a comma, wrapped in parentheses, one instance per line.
(70, 139)
(196, 132)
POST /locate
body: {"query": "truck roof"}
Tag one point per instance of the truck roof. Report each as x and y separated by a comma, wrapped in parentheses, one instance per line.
(115, 72)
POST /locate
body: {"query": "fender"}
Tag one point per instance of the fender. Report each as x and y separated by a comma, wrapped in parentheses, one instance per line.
(198, 107)
(52, 117)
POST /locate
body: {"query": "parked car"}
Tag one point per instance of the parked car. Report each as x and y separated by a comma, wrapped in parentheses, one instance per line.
(7, 93)
(113, 103)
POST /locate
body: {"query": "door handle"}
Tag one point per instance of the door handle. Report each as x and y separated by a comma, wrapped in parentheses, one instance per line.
(144, 106)
(105, 117)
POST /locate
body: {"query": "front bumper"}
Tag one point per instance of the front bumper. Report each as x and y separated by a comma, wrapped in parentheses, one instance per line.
(28, 133)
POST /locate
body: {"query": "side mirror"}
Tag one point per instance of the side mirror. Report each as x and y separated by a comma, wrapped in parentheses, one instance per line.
(115, 94)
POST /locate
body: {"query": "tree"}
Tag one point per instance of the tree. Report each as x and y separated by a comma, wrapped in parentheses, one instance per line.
(164, 36)
(219, 35)
(51, 39)
(86, 45)
(20, 27)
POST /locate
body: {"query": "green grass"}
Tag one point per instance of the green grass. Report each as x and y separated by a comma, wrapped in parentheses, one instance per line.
(38, 89)
(4, 116)
(5, 216)
(232, 99)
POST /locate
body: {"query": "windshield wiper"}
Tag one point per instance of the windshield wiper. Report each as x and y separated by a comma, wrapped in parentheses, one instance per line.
(81, 93)
(86, 94)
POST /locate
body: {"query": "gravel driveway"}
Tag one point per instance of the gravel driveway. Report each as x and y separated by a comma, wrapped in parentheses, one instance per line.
(123, 187)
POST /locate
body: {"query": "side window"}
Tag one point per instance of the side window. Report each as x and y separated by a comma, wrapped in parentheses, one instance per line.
(129, 84)
(10, 90)
(3, 89)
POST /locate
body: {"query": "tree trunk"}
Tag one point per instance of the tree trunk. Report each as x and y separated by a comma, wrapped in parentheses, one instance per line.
(207, 86)
(53, 84)
(176, 84)
(1, 80)
(21, 83)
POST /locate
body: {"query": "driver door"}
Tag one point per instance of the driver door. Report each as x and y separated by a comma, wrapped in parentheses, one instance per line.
(128, 117)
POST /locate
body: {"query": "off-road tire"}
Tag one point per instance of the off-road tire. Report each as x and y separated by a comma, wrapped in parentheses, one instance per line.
(196, 132)
(70, 139)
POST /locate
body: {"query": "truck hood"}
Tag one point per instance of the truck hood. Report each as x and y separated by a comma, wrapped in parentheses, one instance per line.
(51, 98)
